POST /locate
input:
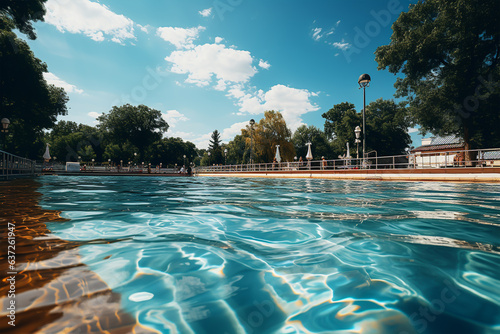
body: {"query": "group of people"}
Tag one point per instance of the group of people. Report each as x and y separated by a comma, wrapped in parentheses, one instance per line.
(185, 170)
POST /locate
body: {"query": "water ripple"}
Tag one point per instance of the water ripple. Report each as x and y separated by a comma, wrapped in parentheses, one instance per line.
(289, 256)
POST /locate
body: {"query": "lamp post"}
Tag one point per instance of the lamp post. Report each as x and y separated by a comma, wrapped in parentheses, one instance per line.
(364, 81)
(209, 158)
(184, 156)
(5, 130)
(252, 123)
(357, 132)
(225, 156)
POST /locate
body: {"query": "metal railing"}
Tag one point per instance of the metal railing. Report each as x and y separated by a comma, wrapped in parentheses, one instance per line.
(98, 167)
(484, 158)
(12, 166)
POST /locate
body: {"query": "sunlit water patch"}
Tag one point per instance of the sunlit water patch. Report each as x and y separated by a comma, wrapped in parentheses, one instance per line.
(208, 255)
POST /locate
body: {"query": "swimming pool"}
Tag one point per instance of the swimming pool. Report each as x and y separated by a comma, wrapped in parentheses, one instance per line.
(209, 255)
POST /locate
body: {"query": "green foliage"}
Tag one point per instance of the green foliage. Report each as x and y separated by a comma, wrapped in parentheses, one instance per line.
(22, 12)
(320, 144)
(269, 132)
(141, 126)
(340, 122)
(238, 151)
(386, 127)
(215, 149)
(448, 53)
(171, 151)
(70, 140)
(26, 99)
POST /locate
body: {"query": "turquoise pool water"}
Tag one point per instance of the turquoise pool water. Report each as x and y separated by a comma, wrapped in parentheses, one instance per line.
(209, 255)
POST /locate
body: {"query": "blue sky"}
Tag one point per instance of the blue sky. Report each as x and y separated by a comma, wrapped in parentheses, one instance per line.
(216, 64)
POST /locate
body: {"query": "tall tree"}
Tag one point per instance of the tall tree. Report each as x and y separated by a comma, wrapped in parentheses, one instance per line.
(269, 132)
(320, 144)
(25, 97)
(68, 140)
(215, 148)
(170, 151)
(448, 52)
(22, 13)
(139, 125)
(386, 126)
(238, 151)
(340, 122)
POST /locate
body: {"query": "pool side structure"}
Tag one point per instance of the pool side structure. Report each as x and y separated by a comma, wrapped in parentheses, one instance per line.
(472, 174)
(483, 166)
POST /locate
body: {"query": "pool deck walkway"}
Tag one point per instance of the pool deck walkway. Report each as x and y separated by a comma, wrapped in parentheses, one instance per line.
(100, 173)
(463, 174)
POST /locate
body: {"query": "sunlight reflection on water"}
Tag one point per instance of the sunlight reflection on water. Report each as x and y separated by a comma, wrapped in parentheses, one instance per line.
(289, 256)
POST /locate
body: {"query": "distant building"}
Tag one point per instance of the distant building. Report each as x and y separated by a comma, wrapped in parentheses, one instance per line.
(438, 152)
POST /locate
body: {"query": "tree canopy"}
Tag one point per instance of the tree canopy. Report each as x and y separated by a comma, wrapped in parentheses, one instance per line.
(448, 52)
(26, 99)
(140, 125)
(320, 144)
(269, 132)
(386, 127)
(22, 13)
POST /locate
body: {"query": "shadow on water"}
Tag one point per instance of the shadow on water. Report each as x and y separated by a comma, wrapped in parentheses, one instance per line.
(54, 292)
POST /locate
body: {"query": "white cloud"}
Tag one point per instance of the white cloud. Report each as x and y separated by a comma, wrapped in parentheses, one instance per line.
(206, 12)
(338, 22)
(218, 40)
(53, 79)
(341, 45)
(204, 62)
(317, 34)
(172, 117)
(145, 28)
(412, 130)
(264, 64)
(93, 114)
(228, 134)
(89, 18)
(180, 37)
(291, 102)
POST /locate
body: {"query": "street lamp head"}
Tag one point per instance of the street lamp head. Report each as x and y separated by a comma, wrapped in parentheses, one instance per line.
(357, 131)
(364, 80)
(5, 124)
(252, 122)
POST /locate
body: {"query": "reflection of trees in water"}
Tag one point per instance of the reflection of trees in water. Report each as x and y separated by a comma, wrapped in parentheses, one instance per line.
(54, 290)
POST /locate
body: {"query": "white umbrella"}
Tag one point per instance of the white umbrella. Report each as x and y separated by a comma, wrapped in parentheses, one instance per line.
(278, 157)
(46, 155)
(309, 155)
